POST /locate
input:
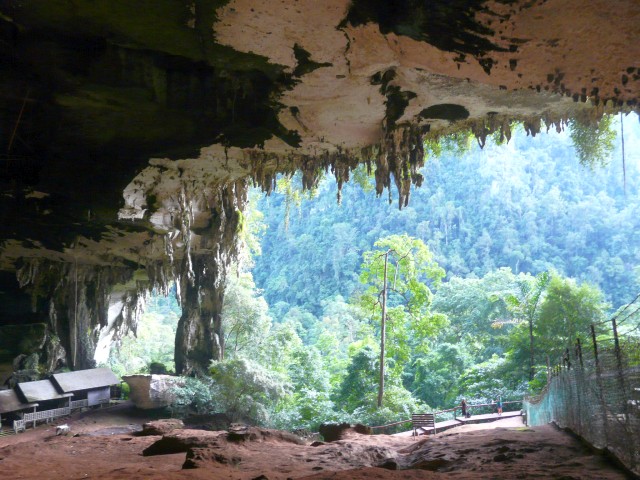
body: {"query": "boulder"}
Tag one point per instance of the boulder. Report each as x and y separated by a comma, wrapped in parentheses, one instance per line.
(339, 431)
(196, 456)
(185, 440)
(214, 422)
(161, 427)
(181, 441)
(152, 391)
(242, 433)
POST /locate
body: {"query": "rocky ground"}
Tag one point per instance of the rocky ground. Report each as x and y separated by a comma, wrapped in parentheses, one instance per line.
(107, 444)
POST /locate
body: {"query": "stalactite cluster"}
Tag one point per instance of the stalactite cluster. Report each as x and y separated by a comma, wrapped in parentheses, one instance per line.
(400, 154)
(76, 296)
(201, 277)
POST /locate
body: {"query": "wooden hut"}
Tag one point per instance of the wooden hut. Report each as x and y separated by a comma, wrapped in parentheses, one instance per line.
(10, 404)
(51, 403)
(44, 393)
(93, 384)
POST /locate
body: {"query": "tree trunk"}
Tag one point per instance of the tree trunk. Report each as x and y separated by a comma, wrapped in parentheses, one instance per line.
(531, 367)
(382, 331)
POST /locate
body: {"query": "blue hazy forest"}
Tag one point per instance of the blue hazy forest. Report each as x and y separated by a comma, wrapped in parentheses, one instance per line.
(516, 244)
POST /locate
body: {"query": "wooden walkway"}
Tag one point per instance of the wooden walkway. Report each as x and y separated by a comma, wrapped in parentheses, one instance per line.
(447, 424)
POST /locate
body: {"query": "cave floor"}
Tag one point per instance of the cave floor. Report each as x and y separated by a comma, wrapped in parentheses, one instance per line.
(103, 444)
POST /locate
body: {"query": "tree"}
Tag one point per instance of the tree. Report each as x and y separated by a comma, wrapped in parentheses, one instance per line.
(478, 314)
(295, 190)
(411, 267)
(245, 390)
(359, 385)
(251, 231)
(245, 317)
(525, 306)
(486, 381)
(539, 209)
(153, 342)
(436, 375)
(566, 313)
(593, 141)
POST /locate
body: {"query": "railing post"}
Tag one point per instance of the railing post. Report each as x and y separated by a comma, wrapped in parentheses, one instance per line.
(618, 353)
(617, 344)
(579, 352)
(579, 376)
(603, 403)
(629, 437)
(595, 347)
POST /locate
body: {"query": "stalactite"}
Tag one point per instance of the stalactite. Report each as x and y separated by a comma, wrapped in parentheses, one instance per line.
(185, 219)
(201, 276)
(132, 310)
(197, 259)
(78, 301)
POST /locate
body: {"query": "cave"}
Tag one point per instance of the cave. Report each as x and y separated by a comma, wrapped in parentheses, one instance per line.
(130, 136)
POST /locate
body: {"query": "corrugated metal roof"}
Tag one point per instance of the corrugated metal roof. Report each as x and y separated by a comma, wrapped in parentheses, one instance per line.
(85, 379)
(39, 391)
(9, 402)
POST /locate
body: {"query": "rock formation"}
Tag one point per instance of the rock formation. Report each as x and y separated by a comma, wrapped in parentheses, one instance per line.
(131, 134)
(149, 392)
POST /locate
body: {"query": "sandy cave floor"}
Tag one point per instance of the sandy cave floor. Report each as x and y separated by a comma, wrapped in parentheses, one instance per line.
(105, 446)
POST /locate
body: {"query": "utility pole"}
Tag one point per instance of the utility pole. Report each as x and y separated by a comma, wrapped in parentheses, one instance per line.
(383, 329)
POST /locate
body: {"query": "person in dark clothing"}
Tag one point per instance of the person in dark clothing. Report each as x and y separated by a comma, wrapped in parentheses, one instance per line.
(465, 411)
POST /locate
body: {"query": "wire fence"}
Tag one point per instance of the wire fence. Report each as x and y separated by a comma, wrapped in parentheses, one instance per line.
(594, 391)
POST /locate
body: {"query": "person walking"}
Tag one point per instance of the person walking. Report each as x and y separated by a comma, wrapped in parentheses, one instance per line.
(499, 405)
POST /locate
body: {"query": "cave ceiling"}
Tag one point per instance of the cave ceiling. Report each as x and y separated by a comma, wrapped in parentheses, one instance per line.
(130, 131)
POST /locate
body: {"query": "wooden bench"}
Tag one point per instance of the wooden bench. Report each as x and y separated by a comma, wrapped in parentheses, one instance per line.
(423, 420)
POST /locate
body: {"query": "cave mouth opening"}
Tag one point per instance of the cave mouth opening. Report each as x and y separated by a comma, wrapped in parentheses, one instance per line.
(151, 348)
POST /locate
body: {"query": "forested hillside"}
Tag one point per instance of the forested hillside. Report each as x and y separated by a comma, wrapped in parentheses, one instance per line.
(528, 205)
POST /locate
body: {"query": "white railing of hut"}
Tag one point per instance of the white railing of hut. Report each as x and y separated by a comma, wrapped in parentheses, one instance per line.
(46, 415)
(79, 404)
